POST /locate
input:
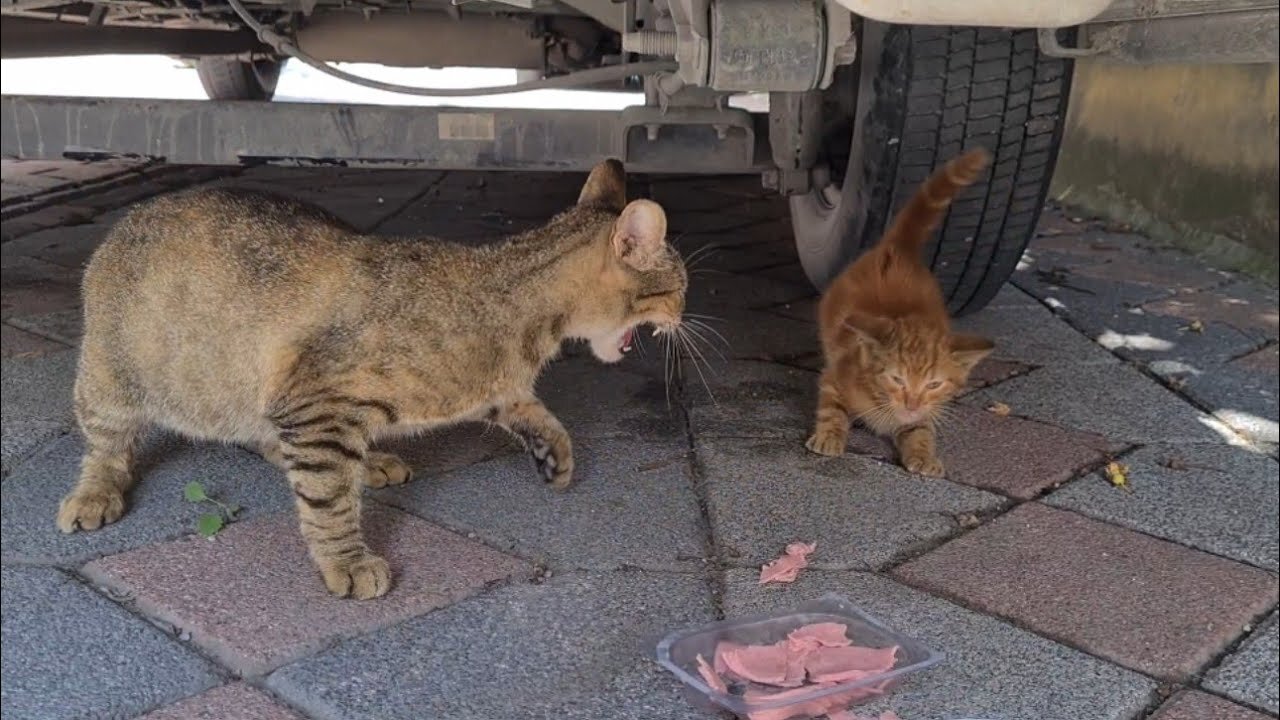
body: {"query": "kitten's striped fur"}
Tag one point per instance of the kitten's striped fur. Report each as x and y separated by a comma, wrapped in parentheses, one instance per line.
(891, 360)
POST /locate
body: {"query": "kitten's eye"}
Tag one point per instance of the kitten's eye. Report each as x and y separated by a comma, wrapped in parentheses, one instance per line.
(897, 380)
(934, 385)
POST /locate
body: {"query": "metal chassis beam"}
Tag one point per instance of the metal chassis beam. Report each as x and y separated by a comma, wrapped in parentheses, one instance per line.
(232, 133)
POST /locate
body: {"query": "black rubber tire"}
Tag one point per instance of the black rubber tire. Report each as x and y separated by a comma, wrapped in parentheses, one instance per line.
(229, 78)
(918, 97)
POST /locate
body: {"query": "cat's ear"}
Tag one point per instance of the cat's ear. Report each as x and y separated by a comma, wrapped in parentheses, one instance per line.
(606, 186)
(968, 350)
(640, 234)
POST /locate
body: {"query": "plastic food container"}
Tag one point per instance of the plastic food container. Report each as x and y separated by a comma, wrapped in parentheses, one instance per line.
(678, 653)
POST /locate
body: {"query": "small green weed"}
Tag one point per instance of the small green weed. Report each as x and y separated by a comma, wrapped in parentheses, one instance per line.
(208, 524)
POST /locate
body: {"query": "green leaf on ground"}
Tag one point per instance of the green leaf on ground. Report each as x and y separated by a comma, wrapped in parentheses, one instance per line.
(194, 492)
(209, 524)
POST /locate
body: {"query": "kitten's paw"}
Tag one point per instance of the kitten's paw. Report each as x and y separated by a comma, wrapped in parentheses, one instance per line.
(927, 466)
(386, 469)
(553, 459)
(90, 509)
(366, 577)
(825, 442)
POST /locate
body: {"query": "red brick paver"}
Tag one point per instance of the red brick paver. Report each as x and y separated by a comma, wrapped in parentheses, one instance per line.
(236, 701)
(251, 597)
(1193, 705)
(1031, 456)
(1144, 603)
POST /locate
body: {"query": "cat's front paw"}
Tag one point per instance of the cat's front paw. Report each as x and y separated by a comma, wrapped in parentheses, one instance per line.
(827, 442)
(927, 466)
(554, 459)
(363, 578)
(90, 509)
(385, 469)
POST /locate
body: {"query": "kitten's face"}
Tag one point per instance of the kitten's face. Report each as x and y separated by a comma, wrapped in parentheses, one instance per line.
(642, 282)
(915, 387)
(915, 374)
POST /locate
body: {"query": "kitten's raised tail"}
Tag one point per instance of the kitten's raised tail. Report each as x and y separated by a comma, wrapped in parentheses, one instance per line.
(922, 213)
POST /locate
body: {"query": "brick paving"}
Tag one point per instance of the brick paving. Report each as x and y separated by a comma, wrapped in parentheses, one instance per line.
(1054, 595)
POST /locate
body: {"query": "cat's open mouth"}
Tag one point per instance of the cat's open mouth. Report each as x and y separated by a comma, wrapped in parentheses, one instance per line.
(625, 343)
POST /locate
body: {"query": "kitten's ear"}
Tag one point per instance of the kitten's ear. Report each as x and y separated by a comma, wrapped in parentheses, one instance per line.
(607, 186)
(640, 234)
(968, 350)
(869, 329)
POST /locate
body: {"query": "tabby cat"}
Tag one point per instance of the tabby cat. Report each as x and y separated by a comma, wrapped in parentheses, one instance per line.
(892, 361)
(241, 317)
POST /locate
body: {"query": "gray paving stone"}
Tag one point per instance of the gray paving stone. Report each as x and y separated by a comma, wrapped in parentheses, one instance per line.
(579, 646)
(71, 653)
(759, 335)
(1011, 296)
(38, 387)
(22, 437)
(1252, 674)
(1223, 500)
(36, 287)
(991, 670)
(1167, 345)
(1242, 395)
(724, 295)
(1249, 307)
(862, 513)
(65, 326)
(752, 399)
(1033, 335)
(1112, 400)
(20, 343)
(631, 504)
(593, 399)
(156, 508)
(68, 246)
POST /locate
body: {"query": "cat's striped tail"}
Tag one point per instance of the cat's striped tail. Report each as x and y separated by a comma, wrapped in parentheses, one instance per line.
(917, 220)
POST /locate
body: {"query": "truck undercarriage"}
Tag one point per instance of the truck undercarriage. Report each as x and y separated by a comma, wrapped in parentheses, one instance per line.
(866, 97)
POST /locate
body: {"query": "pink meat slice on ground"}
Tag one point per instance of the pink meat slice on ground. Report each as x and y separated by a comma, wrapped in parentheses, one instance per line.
(833, 703)
(806, 709)
(787, 568)
(759, 663)
(829, 634)
(723, 648)
(710, 676)
(840, 664)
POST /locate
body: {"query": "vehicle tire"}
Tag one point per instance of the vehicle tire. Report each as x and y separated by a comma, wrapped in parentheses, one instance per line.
(915, 99)
(230, 78)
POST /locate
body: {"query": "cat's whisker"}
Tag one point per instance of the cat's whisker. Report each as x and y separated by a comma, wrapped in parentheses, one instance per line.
(700, 255)
(694, 355)
(696, 334)
(700, 316)
(665, 341)
(696, 323)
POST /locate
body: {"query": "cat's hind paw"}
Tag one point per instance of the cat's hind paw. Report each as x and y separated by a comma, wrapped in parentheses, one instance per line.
(367, 576)
(385, 469)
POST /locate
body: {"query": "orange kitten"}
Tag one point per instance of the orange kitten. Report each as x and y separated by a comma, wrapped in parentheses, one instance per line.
(892, 361)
